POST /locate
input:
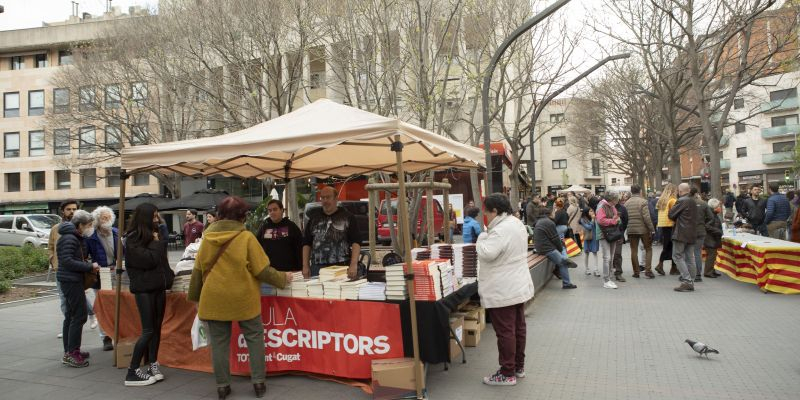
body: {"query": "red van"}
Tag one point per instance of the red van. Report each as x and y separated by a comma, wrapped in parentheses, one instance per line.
(384, 236)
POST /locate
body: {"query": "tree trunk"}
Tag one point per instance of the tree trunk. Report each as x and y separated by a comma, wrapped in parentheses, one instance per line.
(476, 192)
(675, 166)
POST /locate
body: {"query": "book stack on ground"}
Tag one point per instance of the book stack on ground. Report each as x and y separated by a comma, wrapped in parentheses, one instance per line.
(372, 291)
(420, 253)
(395, 283)
(350, 289)
(465, 260)
(427, 280)
(315, 289)
(333, 272)
(441, 251)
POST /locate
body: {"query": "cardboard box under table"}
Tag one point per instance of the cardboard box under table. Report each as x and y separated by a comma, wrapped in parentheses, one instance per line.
(393, 378)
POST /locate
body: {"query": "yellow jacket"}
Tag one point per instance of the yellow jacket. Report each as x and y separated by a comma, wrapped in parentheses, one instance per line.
(232, 290)
(663, 215)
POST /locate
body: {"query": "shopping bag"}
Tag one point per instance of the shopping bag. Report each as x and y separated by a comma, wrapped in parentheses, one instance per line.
(572, 247)
(199, 333)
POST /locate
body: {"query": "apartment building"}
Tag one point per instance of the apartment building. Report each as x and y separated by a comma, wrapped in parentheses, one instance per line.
(34, 177)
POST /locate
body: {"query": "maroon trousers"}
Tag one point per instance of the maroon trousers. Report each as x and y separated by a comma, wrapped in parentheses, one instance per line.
(509, 326)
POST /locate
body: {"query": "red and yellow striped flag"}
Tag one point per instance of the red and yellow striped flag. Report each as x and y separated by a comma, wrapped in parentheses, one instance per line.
(572, 247)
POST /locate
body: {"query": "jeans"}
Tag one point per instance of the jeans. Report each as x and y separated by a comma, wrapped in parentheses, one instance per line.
(75, 316)
(219, 333)
(151, 307)
(608, 253)
(560, 260)
(698, 256)
(683, 257)
(562, 230)
(61, 298)
(510, 329)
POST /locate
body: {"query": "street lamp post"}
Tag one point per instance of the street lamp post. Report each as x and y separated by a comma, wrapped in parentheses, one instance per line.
(487, 79)
(540, 107)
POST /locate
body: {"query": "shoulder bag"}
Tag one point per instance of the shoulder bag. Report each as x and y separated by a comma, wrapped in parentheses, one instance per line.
(610, 233)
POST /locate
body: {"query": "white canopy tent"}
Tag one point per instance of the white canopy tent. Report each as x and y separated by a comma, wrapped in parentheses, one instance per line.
(574, 189)
(319, 140)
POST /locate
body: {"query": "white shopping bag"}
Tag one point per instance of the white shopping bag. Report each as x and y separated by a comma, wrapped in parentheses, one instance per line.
(199, 333)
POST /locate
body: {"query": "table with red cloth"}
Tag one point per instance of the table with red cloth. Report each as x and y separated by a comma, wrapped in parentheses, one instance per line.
(772, 264)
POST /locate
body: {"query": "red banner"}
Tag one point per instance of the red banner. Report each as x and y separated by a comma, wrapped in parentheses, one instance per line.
(331, 337)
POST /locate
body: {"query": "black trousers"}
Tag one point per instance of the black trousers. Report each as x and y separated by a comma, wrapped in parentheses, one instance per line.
(75, 316)
(151, 307)
(666, 240)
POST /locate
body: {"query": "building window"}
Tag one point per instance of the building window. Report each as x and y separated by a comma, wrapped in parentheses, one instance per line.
(35, 143)
(63, 179)
(61, 141)
(112, 177)
(559, 164)
(595, 167)
(88, 178)
(40, 60)
(139, 135)
(784, 120)
(11, 104)
(139, 93)
(12, 182)
(595, 144)
(87, 100)
(555, 118)
(141, 179)
(60, 101)
(741, 152)
(740, 127)
(17, 62)
(738, 103)
(35, 103)
(37, 181)
(64, 57)
(613, 181)
(87, 140)
(113, 138)
(784, 94)
(11, 145)
(558, 141)
(783, 147)
(113, 97)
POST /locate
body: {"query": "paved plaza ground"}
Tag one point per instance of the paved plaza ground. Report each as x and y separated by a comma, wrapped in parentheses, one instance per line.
(588, 343)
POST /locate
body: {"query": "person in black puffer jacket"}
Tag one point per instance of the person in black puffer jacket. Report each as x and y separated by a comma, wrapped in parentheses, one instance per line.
(150, 276)
(72, 266)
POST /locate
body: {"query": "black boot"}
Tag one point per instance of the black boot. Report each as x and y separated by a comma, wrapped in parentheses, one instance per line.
(260, 389)
(223, 392)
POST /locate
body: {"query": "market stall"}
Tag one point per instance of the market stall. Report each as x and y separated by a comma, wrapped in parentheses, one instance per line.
(772, 264)
(322, 139)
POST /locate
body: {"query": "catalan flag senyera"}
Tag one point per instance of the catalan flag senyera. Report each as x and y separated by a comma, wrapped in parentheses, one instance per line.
(572, 247)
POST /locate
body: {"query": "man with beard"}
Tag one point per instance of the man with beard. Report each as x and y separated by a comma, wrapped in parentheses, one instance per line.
(67, 208)
(102, 247)
(331, 237)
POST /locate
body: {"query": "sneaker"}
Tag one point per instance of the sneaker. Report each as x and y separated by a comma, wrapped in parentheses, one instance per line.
(499, 379)
(75, 360)
(92, 322)
(60, 335)
(520, 373)
(609, 285)
(155, 372)
(570, 263)
(108, 345)
(698, 278)
(84, 354)
(64, 359)
(569, 286)
(588, 272)
(649, 275)
(139, 377)
(619, 278)
(685, 287)
(596, 273)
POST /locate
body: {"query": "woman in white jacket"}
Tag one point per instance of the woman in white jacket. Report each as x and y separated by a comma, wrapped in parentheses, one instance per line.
(504, 284)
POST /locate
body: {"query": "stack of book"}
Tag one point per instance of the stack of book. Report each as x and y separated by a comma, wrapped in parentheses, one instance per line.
(350, 289)
(420, 253)
(333, 288)
(441, 251)
(465, 260)
(106, 275)
(395, 283)
(427, 280)
(297, 279)
(333, 272)
(300, 287)
(372, 291)
(180, 284)
(448, 278)
(315, 289)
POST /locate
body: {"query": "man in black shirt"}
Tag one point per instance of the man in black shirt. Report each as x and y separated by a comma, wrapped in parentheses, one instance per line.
(754, 208)
(331, 237)
(281, 239)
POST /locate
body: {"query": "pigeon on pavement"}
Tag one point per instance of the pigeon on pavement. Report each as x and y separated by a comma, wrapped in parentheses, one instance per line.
(701, 348)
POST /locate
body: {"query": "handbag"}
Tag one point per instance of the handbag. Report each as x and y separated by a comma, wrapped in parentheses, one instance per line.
(611, 233)
(89, 277)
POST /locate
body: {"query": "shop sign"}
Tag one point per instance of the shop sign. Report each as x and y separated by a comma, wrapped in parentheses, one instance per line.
(338, 338)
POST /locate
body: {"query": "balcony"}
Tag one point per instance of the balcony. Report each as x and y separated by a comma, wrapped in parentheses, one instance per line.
(779, 105)
(778, 158)
(780, 131)
(724, 163)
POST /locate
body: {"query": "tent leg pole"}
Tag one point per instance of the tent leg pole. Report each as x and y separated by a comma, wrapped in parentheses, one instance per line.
(397, 147)
(448, 238)
(123, 178)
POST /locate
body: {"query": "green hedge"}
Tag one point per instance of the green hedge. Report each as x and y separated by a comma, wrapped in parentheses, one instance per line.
(16, 262)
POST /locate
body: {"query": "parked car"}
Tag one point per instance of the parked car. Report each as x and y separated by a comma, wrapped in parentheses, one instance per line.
(384, 236)
(360, 209)
(26, 229)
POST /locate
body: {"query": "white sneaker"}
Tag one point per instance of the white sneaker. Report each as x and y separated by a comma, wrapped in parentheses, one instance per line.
(92, 322)
(610, 285)
(588, 272)
(60, 335)
(596, 273)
